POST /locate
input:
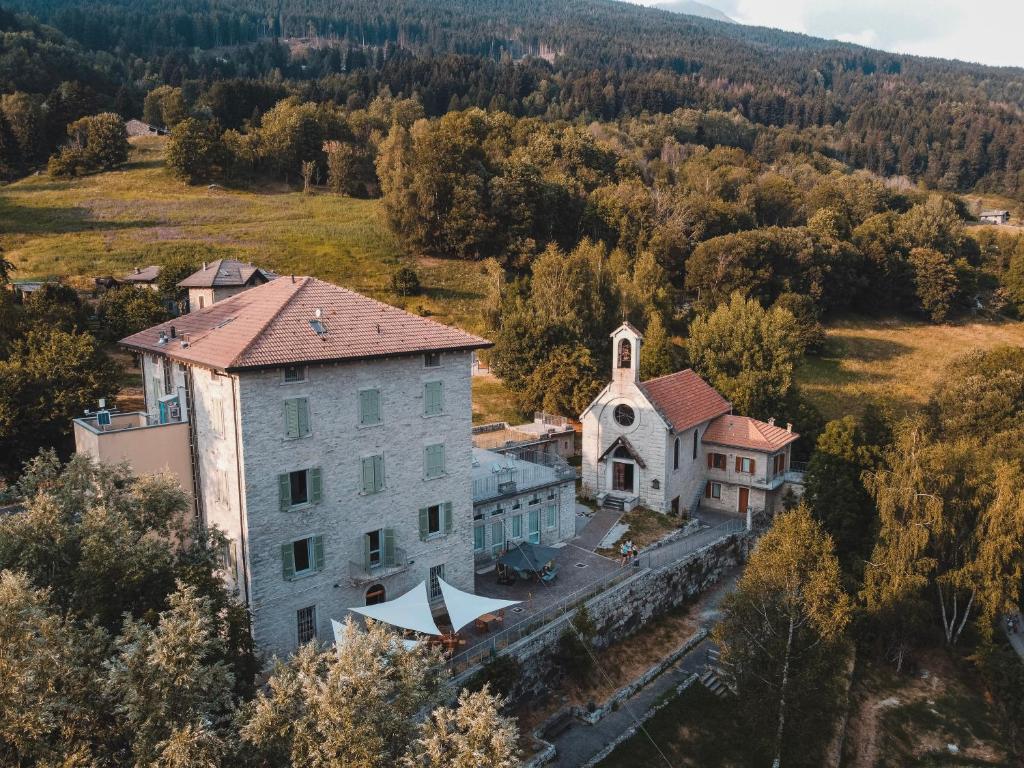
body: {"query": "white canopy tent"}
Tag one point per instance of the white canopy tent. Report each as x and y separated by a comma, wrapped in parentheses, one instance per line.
(339, 635)
(410, 611)
(464, 607)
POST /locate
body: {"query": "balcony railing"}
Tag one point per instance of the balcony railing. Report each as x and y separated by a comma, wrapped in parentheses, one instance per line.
(362, 573)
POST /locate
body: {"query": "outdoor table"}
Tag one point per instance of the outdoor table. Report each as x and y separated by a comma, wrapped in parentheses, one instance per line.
(483, 623)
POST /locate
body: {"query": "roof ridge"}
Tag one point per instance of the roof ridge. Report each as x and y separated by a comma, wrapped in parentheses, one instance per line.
(674, 373)
(270, 318)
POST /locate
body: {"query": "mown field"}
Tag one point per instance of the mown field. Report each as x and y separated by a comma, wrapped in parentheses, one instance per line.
(111, 222)
(895, 362)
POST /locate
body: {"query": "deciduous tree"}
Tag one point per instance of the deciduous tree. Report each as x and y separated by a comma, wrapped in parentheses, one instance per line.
(782, 639)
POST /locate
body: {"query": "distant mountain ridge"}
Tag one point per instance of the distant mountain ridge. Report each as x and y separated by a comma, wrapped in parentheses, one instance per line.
(693, 8)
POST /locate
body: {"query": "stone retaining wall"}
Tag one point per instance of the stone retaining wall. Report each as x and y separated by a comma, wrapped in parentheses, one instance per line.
(623, 609)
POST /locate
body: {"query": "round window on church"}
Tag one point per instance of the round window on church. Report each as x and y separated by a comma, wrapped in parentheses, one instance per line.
(624, 415)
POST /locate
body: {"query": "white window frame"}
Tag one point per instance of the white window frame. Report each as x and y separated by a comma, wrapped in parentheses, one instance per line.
(716, 486)
(310, 554)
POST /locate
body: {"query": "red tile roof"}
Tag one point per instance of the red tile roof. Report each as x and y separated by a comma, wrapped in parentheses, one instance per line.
(745, 432)
(684, 399)
(225, 273)
(270, 326)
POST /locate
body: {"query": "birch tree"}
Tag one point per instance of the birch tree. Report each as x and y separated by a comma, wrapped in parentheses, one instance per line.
(782, 637)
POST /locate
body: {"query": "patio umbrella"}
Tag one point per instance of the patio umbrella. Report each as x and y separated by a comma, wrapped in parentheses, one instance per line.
(410, 611)
(464, 607)
(530, 558)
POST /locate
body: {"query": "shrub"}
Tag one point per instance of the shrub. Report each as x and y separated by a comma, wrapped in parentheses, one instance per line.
(405, 282)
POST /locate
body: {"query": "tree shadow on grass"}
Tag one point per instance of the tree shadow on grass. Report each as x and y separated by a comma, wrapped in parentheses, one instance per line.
(29, 220)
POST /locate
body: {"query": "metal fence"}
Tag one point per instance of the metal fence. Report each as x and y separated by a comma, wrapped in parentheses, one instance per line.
(654, 558)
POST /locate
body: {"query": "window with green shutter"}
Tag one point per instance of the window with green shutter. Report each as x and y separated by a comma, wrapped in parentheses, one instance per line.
(479, 537)
(373, 474)
(535, 526)
(369, 407)
(433, 398)
(435, 519)
(304, 486)
(433, 459)
(551, 516)
(517, 526)
(296, 417)
(302, 557)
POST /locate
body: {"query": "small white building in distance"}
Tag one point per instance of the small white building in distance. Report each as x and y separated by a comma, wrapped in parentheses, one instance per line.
(994, 217)
(671, 444)
(325, 433)
(220, 279)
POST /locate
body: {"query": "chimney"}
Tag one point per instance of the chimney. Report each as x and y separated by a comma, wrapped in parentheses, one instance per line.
(137, 270)
(174, 333)
(789, 427)
(771, 422)
(204, 266)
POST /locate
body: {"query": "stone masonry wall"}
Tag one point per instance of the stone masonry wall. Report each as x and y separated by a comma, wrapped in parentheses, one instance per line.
(626, 607)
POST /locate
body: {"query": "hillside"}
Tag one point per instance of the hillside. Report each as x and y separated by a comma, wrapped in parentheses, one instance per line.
(954, 125)
(111, 222)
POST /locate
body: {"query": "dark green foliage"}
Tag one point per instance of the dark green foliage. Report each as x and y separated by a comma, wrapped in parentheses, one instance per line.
(935, 283)
(405, 282)
(49, 377)
(575, 656)
(129, 309)
(835, 492)
(97, 143)
(501, 672)
(196, 151)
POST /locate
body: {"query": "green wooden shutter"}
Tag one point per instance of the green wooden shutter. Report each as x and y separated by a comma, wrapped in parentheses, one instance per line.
(364, 407)
(440, 459)
(366, 551)
(369, 407)
(285, 491)
(447, 517)
(433, 398)
(424, 523)
(288, 561)
(389, 548)
(303, 408)
(368, 474)
(318, 553)
(378, 473)
(315, 485)
(291, 418)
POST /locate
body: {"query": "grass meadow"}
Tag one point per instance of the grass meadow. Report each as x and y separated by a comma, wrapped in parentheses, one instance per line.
(111, 222)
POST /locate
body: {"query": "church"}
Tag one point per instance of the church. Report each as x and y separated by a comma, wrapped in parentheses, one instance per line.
(672, 444)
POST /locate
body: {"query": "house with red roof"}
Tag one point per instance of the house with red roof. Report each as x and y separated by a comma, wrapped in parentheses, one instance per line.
(327, 435)
(673, 444)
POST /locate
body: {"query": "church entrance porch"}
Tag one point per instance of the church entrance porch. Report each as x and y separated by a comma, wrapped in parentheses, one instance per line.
(622, 476)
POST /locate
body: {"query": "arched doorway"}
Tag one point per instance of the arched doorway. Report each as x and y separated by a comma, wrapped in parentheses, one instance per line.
(375, 594)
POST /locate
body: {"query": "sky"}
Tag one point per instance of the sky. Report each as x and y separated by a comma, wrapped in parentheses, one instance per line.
(989, 32)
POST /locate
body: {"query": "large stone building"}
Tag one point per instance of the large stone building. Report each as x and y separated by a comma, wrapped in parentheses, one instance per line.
(329, 438)
(672, 444)
(217, 280)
